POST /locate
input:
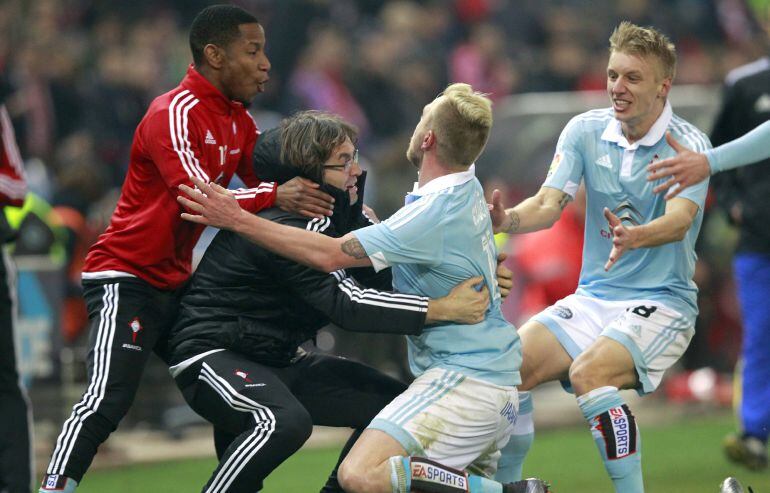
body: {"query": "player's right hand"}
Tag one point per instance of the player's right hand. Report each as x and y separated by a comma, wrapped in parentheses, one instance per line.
(303, 196)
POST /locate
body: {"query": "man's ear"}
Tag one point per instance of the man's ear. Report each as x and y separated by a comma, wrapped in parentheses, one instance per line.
(665, 87)
(428, 141)
(214, 55)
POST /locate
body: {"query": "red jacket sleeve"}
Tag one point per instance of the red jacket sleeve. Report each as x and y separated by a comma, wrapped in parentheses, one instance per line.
(260, 195)
(13, 186)
(174, 144)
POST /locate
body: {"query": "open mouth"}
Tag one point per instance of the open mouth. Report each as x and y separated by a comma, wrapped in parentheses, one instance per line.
(620, 105)
(261, 85)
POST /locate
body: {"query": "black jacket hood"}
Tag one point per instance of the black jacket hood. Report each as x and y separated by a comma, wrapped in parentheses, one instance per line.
(269, 167)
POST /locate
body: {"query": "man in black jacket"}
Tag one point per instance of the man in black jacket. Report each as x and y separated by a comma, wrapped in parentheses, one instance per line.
(743, 193)
(235, 346)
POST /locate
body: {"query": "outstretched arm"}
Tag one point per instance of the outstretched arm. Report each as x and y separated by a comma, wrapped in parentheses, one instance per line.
(671, 226)
(688, 167)
(212, 205)
(535, 213)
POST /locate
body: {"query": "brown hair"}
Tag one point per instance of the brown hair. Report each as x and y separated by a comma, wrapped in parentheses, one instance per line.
(462, 123)
(308, 139)
(645, 41)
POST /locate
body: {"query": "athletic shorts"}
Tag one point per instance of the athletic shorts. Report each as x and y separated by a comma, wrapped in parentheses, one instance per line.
(448, 417)
(655, 335)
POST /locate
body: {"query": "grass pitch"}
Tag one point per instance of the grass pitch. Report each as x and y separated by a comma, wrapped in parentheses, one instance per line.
(678, 458)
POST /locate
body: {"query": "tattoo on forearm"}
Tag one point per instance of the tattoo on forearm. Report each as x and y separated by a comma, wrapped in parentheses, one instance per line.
(515, 220)
(354, 248)
(565, 198)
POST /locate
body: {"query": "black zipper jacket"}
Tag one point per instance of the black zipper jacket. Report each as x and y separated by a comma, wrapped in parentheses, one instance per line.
(746, 105)
(246, 299)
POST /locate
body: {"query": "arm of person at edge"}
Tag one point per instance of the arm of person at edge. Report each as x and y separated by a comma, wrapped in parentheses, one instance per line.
(671, 226)
(688, 167)
(13, 185)
(538, 212)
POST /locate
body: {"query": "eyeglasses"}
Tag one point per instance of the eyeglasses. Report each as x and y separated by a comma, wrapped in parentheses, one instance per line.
(344, 167)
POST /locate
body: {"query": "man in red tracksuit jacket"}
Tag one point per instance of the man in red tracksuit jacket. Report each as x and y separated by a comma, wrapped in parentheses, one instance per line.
(133, 275)
(15, 431)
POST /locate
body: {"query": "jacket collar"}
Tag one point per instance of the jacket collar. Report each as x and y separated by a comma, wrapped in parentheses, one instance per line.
(614, 132)
(344, 214)
(209, 95)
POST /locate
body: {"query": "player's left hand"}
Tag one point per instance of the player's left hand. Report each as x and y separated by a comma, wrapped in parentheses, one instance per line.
(215, 206)
(504, 276)
(622, 238)
(685, 169)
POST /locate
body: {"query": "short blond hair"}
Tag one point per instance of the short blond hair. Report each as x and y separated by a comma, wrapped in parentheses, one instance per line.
(462, 123)
(645, 41)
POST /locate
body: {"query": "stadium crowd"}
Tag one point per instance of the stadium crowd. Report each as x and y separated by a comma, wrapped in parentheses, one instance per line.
(83, 71)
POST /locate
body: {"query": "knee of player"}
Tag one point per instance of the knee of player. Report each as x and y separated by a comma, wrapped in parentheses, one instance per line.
(585, 375)
(351, 477)
(294, 426)
(529, 380)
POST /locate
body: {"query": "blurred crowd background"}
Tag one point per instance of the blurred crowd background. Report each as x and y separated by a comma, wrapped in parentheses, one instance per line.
(81, 73)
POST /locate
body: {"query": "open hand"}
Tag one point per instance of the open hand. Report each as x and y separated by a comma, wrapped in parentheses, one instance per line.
(622, 238)
(215, 205)
(685, 169)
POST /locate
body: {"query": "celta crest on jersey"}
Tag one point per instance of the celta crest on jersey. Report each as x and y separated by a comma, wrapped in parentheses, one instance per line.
(627, 212)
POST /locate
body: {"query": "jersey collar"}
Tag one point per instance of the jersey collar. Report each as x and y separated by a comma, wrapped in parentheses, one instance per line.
(442, 183)
(208, 94)
(614, 133)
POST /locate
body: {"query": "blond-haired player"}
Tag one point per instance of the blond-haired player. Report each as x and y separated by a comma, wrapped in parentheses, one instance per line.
(633, 314)
(444, 432)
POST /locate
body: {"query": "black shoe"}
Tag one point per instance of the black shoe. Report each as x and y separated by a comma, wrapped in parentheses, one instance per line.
(531, 485)
(746, 450)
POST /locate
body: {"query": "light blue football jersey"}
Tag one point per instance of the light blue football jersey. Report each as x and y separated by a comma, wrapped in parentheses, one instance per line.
(592, 148)
(442, 237)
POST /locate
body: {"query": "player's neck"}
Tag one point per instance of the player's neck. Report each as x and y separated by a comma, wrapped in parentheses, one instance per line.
(635, 130)
(431, 169)
(212, 76)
